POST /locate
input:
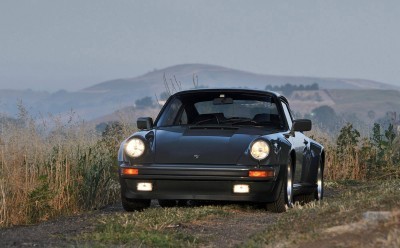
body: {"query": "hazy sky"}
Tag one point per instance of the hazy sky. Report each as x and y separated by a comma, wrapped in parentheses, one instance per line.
(72, 44)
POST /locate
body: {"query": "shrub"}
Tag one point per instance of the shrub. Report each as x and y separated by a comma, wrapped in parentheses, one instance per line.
(351, 156)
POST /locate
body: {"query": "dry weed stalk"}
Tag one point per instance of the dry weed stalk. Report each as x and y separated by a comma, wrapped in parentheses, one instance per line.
(46, 172)
(340, 166)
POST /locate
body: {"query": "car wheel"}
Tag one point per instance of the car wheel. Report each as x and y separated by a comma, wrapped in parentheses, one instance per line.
(285, 197)
(135, 204)
(319, 192)
(167, 203)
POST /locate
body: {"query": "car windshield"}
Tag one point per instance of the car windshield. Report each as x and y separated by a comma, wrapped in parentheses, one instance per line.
(216, 108)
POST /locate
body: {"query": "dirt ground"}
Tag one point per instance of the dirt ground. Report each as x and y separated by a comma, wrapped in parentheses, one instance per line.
(233, 230)
(55, 233)
(220, 232)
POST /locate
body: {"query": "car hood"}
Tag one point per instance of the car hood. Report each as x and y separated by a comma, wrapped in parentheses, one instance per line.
(203, 145)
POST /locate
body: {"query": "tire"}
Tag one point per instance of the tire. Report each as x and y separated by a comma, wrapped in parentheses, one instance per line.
(167, 203)
(319, 192)
(285, 197)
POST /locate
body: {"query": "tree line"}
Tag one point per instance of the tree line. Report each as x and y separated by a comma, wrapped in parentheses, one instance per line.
(287, 89)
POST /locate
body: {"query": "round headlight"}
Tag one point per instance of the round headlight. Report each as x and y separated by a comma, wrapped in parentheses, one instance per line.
(135, 147)
(259, 150)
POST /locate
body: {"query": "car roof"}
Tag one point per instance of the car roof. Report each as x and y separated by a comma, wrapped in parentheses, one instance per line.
(228, 90)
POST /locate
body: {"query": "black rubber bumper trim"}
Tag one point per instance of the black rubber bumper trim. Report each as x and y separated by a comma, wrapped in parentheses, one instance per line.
(198, 172)
(201, 182)
(199, 190)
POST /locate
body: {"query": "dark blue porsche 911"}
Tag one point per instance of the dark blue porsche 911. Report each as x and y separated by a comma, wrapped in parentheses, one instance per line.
(221, 145)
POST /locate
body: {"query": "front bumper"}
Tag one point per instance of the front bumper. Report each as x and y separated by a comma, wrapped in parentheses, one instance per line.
(200, 182)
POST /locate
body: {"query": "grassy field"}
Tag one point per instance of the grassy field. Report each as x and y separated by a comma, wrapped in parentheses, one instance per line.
(337, 221)
(325, 223)
(72, 169)
(154, 227)
(45, 174)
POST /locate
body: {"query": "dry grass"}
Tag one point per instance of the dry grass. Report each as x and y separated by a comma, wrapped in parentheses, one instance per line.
(154, 227)
(339, 167)
(44, 173)
(338, 221)
(359, 162)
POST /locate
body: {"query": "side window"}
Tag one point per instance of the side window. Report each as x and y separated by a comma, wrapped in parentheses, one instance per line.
(183, 120)
(287, 115)
(170, 113)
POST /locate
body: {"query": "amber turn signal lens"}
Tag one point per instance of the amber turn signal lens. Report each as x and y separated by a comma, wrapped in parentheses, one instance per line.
(129, 171)
(257, 173)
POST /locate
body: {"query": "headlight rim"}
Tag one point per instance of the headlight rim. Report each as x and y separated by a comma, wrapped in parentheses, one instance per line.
(251, 149)
(127, 143)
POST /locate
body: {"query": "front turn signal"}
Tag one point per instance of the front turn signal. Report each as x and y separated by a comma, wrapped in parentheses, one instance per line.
(258, 173)
(129, 171)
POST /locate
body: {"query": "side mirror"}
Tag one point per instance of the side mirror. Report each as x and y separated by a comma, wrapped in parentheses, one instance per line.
(301, 125)
(144, 123)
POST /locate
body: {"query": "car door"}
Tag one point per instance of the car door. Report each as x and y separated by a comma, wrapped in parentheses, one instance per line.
(300, 144)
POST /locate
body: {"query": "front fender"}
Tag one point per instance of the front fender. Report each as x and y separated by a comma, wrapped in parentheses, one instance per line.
(279, 148)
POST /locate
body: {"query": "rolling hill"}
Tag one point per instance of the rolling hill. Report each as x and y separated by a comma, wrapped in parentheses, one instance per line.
(218, 76)
(107, 97)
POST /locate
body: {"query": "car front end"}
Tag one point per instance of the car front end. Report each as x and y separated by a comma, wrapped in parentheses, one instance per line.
(219, 145)
(202, 163)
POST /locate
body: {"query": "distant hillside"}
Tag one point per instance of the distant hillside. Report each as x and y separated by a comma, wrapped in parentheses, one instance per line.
(344, 103)
(218, 76)
(347, 102)
(105, 98)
